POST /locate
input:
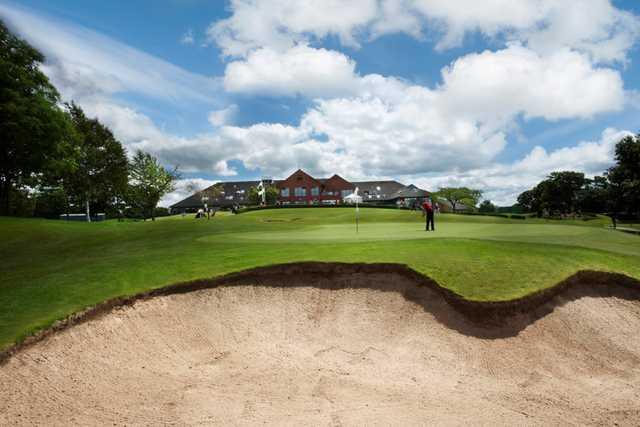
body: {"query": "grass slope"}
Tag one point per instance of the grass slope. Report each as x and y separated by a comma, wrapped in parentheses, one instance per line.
(50, 269)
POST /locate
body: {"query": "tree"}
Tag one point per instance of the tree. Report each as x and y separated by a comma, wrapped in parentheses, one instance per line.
(487, 207)
(594, 196)
(526, 199)
(560, 191)
(271, 195)
(149, 181)
(33, 129)
(624, 177)
(100, 172)
(460, 195)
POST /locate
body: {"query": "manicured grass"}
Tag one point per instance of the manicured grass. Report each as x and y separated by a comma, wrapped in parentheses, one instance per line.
(50, 269)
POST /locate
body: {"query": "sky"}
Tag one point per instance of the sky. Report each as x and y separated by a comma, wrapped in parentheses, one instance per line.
(492, 95)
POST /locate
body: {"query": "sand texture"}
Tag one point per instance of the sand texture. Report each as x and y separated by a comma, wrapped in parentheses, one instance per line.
(341, 348)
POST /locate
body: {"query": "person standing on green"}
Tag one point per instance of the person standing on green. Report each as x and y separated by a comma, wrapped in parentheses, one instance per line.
(428, 210)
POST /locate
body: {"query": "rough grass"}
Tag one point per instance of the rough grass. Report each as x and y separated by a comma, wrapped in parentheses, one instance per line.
(52, 268)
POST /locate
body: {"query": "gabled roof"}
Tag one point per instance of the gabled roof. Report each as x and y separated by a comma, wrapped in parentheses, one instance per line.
(299, 173)
(337, 182)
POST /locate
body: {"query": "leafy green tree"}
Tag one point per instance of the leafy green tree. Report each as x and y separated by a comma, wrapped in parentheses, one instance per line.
(50, 202)
(560, 191)
(34, 131)
(460, 195)
(624, 177)
(594, 196)
(487, 207)
(100, 170)
(149, 181)
(526, 199)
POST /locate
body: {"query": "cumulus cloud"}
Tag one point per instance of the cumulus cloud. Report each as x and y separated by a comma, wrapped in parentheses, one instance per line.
(564, 84)
(299, 70)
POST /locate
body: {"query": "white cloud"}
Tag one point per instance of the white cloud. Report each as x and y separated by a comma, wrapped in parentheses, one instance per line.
(188, 37)
(564, 84)
(299, 70)
(280, 24)
(595, 27)
(222, 168)
(224, 116)
(456, 18)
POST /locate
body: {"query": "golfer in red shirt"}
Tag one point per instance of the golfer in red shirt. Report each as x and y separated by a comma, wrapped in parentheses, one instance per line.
(428, 210)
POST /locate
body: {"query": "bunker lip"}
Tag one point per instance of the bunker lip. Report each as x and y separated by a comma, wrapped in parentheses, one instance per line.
(482, 319)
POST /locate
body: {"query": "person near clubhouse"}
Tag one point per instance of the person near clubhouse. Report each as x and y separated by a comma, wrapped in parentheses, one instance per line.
(427, 206)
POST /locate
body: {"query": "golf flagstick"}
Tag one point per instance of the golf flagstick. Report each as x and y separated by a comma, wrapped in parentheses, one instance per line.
(357, 208)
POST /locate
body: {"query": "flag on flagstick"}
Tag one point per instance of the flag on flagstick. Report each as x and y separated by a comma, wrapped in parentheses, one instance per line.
(354, 198)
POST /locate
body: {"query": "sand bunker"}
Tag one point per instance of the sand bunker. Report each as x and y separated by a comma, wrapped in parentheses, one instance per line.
(333, 347)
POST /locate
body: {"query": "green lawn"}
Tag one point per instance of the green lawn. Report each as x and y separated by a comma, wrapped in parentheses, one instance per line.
(50, 269)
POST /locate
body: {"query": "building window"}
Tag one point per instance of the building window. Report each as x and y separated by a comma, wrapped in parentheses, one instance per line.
(284, 192)
(315, 191)
(345, 193)
(300, 191)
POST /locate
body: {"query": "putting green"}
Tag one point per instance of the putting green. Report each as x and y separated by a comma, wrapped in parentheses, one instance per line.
(587, 237)
(52, 268)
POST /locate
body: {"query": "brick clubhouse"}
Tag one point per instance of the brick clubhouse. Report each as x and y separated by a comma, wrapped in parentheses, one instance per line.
(300, 188)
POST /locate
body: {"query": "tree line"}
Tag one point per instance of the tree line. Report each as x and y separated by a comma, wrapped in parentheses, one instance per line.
(54, 159)
(616, 193)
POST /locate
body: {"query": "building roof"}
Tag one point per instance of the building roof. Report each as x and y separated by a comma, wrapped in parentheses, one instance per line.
(231, 193)
(336, 182)
(372, 191)
(410, 192)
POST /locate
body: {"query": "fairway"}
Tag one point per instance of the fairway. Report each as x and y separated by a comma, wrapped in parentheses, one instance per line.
(51, 268)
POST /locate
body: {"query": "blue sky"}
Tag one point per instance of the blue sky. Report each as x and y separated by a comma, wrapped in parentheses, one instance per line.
(430, 92)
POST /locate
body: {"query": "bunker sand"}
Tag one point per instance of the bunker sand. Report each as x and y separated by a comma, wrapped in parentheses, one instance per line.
(335, 345)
